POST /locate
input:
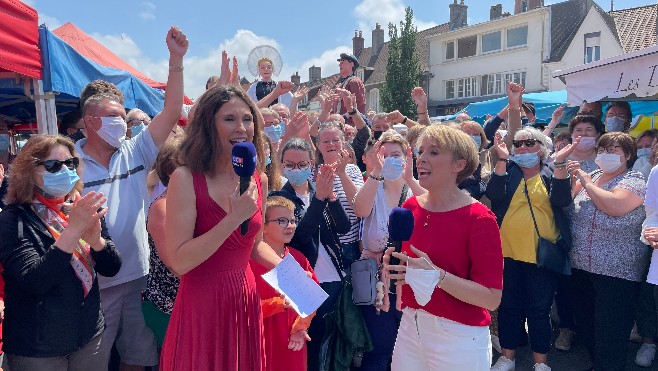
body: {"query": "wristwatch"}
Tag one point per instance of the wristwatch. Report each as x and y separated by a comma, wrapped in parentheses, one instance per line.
(378, 178)
(352, 112)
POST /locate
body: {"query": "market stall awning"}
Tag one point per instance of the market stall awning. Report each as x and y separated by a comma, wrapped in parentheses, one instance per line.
(545, 104)
(19, 39)
(633, 76)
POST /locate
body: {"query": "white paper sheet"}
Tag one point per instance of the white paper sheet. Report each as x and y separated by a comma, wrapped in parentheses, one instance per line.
(289, 278)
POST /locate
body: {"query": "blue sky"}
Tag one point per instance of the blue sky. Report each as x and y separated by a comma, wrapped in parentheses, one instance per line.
(307, 33)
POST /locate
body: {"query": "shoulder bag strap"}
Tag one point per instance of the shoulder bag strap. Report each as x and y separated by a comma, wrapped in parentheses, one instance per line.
(332, 253)
(525, 192)
(403, 195)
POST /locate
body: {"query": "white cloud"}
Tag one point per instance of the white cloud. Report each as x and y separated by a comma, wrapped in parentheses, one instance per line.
(51, 22)
(370, 12)
(148, 10)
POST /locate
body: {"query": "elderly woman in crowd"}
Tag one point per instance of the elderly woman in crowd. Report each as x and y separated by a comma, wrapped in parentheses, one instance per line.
(646, 152)
(53, 244)
(526, 198)
(589, 129)
(608, 259)
(454, 281)
(162, 284)
(137, 121)
(315, 206)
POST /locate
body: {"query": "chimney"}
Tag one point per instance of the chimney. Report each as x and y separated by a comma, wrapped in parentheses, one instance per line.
(612, 5)
(522, 6)
(458, 15)
(496, 12)
(357, 43)
(296, 79)
(314, 73)
(377, 39)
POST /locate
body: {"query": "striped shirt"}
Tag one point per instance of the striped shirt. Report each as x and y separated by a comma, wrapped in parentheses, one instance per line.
(353, 173)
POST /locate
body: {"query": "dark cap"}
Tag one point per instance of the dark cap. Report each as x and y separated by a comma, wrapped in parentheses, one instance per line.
(529, 106)
(350, 58)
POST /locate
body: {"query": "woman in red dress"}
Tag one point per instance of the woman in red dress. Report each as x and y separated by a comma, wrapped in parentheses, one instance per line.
(216, 323)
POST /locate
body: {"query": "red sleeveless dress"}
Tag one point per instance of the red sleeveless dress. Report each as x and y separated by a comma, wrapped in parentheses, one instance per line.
(216, 323)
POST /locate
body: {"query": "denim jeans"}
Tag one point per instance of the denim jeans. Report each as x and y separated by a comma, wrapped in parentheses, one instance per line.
(527, 294)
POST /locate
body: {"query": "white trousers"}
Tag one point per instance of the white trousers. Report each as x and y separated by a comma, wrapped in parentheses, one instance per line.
(426, 342)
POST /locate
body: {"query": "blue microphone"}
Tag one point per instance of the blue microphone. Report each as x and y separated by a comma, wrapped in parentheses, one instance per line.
(244, 164)
(400, 228)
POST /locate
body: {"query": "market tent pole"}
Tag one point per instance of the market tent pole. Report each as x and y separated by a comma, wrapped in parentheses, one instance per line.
(45, 107)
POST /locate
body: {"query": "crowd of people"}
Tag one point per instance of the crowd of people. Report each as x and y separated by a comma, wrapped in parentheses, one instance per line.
(124, 231)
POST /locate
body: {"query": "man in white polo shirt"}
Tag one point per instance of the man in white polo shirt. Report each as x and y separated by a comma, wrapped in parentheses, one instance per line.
(118, 168)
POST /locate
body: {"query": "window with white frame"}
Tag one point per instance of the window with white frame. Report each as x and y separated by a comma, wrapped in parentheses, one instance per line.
(491, 42)
(592, 47)
(359, 73)
(467, 46)
(517, 36)
(492, 84)
(450, 50)
(450, 89)
(516, 77)
(467, 87)
(374, 100)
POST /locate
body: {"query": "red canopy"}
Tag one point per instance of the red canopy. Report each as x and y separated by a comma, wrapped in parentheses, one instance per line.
(19, 39)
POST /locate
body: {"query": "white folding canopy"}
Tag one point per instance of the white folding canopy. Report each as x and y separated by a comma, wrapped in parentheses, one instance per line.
(633, 76)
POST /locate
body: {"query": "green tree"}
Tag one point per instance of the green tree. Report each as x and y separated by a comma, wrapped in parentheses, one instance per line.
(403, 68)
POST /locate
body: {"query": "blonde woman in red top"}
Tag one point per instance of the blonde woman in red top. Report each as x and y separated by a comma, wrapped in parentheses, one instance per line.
(453, 263)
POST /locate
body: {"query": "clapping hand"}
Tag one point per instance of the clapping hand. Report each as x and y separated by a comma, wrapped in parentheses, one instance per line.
(84, 218)
(324, 182)
(419, 96)
(376, 158)
(283, 87)
(298, 127)
(651, 235)
(501, 147)
(177, 42)
(300, 93)
(558, 113)
(565, 152)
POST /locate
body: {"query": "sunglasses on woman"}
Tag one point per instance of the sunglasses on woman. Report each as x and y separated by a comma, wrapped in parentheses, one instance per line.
(524, 142)
(53, 166)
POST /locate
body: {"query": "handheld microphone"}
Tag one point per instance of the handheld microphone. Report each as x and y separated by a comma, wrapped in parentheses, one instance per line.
(400, 228)
(244, 164)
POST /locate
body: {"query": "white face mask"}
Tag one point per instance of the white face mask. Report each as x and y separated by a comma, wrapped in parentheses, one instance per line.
(586, 143)
(422, 283)
(113, 130)
(608, 162)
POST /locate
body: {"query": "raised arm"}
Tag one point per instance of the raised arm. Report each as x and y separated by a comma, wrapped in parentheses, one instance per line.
(281, 88)
(297, 97)
(419, 96)
(164, 122)
(555, 119)
(515, 98)
(365, 197)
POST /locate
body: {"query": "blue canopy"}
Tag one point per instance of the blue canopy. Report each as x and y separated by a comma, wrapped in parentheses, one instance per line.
(66, 73)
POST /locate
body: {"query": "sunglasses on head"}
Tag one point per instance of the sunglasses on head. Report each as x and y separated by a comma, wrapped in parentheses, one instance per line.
(524, 142)
(53, 166)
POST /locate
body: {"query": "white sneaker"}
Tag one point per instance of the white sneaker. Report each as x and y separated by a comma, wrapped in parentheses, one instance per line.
(563, 341)
(645, 355)
(541, 367)
(504, 364)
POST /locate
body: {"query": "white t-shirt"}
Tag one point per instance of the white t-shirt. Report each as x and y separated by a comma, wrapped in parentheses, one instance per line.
(651, 209)
(324, 268)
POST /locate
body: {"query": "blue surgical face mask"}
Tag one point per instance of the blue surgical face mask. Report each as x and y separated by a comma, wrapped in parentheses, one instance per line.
(644, 152)
(393, 168)
(61, 183)
(268, 160)
(415, 151)
(297, 177)
(478, 140)
(526, 160)
(135, 130)
(4, 142)
(274, 132)
(614, 123)
(282, 125)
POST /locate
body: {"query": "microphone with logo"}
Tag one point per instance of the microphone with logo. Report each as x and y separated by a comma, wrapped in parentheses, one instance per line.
(244, 165)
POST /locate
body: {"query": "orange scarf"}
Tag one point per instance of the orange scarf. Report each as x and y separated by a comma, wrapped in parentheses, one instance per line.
(49, 211)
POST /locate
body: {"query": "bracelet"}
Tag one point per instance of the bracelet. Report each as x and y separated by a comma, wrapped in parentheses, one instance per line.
(405, 120)
(422, 113)
(558, 164)
(176, 68)
(352, 112)
(502, 160)
(441, 278)
(378, 178)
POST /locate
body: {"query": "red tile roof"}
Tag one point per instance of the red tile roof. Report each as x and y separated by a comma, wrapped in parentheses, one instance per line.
(636, 27)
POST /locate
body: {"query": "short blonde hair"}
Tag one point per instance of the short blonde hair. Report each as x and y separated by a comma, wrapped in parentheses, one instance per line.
(458, 143)
(279, 201)
(269, 111)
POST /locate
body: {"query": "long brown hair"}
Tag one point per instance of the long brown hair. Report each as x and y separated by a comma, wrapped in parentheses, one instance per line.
(200, 149)
(37, 148)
